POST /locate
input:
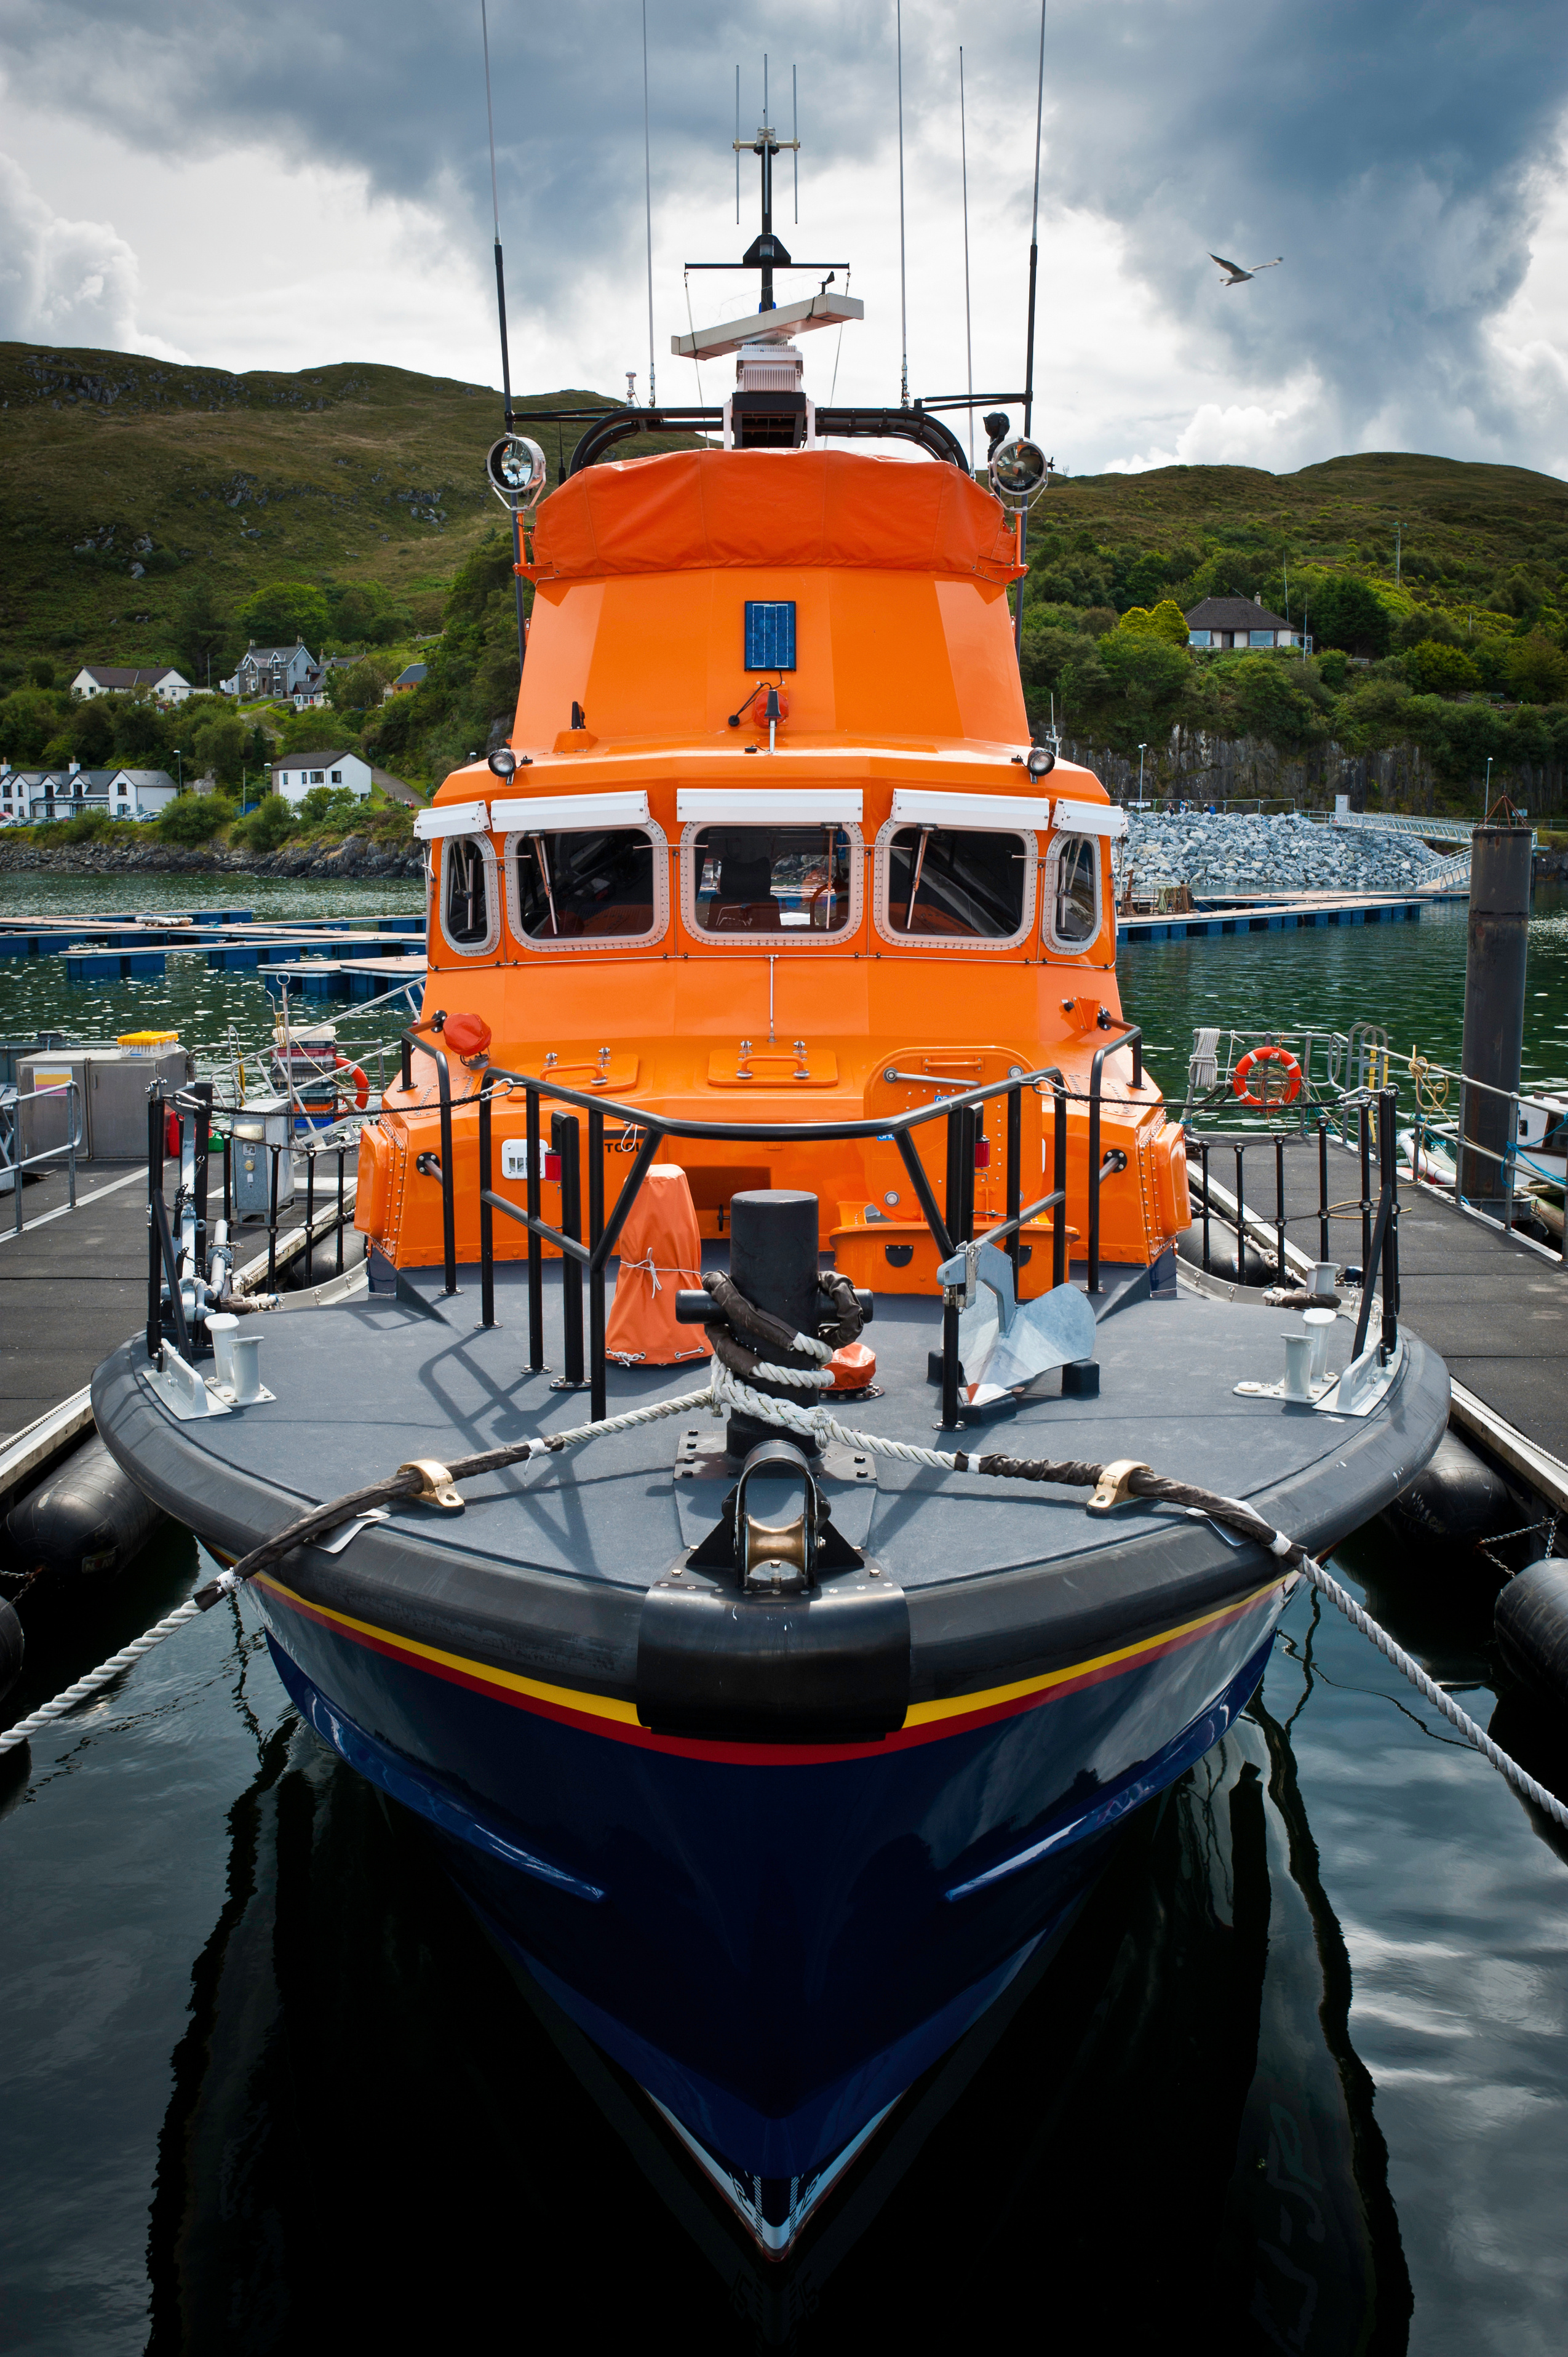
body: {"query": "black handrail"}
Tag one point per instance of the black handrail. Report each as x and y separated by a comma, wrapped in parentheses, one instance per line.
(1131, 1036)
(962, 1114)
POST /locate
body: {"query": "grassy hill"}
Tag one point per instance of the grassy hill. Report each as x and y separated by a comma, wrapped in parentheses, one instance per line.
(137, 489)
(349, 473)
(1461, 525)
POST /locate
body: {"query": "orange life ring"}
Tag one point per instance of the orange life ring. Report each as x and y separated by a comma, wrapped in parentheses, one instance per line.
(1281, 1056)
(360, 1079)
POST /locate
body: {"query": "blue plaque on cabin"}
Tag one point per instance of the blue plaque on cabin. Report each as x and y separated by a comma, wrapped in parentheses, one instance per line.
(771, 634)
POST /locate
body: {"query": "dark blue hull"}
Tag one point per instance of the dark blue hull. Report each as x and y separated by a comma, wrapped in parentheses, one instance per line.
(774, 1942)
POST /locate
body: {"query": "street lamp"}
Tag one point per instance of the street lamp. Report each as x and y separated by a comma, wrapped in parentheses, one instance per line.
(1487, 789)
(179, 770)
(1141, 751)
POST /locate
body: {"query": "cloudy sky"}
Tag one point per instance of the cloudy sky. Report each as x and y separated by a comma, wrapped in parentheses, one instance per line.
(284, 184)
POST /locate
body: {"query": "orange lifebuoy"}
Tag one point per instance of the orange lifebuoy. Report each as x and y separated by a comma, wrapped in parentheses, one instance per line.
(1287, 1063)
(360, 1079)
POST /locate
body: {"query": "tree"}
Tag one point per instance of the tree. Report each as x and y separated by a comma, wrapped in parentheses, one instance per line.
(267, 825)
(365, 612)
(282, 611)
(358, 689)
(193, 818)
(1440, 669)
(92, 732)
(1347, 611)
(1535, 668)
(218, 743)
(144, 734)
(1165, 620)
(202, 633)
(28, 719)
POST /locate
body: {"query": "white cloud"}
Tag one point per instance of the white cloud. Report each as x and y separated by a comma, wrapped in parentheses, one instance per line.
(62, 280)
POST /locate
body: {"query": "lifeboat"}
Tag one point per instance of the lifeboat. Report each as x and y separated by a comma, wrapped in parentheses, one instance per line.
(773, 1129)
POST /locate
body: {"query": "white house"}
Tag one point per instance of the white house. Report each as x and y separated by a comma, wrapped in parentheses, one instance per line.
(276, 670)
(295, 774)
(114, 679)
(69, 792)
(1238, 622)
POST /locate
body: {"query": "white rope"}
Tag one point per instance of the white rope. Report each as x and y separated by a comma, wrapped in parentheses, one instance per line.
(101, 1676)
(1516, 1775)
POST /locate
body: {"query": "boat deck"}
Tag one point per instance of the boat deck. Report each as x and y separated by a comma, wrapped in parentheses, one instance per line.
(427, 1380)
(1494, 1308)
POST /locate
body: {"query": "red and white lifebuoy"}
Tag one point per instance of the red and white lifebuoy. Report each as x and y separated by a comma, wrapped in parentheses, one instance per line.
(359, 1077)
(1268, 1055)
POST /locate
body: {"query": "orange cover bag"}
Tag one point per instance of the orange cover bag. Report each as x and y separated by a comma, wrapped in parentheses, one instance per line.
(661, 1251)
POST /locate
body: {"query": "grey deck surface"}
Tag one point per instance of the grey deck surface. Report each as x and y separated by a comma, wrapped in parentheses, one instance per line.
(369, 1385)
(1497, 1311)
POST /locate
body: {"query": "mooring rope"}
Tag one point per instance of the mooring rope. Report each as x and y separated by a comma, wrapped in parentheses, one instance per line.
(67, 1700)
(725, 1390)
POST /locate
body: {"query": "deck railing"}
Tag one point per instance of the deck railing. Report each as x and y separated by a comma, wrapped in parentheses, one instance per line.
(1375, 1118)
(180, 1243)
(15, 1164)
(952, 1224)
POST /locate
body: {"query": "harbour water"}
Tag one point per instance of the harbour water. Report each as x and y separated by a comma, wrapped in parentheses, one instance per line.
(1298, 2077)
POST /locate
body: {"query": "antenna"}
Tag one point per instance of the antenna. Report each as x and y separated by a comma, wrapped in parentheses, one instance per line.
(500, 311)
(795, 127)
(1029, 354)
(968, 330)
(648, 203)
(903, 281)
(737, 146)
(1035, 237)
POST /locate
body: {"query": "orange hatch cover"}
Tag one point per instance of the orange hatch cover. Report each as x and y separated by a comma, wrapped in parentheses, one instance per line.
(661, 1251)
(700, 509)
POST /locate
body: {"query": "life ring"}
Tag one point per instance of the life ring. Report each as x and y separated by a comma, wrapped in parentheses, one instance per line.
(1281, 1056)
(360, 1079)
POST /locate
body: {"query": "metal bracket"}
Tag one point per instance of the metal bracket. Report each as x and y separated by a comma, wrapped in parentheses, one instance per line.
(183, 1389)
(1114, 1485)
(437, 1480)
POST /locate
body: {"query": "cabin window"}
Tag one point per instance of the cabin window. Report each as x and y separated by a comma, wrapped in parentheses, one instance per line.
(792, 883)
(1072, 920)
(587, 886)
(470, 910)
(948, 883)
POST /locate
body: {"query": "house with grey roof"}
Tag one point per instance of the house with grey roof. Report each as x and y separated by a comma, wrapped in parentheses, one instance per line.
(292, 670)
(161, 679)
(68, 791)
(1238, 623)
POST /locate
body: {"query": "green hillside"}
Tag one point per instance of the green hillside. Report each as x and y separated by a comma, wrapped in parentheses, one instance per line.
(154, 513)
(352, 473)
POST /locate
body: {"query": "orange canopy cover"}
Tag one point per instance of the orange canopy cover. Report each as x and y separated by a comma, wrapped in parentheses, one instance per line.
(699, 509)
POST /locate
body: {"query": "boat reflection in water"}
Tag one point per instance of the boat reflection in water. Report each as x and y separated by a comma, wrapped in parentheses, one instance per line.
(1167, 2120)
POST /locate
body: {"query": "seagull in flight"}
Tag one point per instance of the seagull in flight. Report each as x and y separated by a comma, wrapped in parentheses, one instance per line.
(1237, 275)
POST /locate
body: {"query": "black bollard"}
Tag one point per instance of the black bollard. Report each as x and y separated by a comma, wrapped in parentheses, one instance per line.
(1494, 1007)
(774, 1261)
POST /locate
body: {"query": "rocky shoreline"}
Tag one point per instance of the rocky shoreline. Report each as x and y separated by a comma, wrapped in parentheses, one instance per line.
(356, 856)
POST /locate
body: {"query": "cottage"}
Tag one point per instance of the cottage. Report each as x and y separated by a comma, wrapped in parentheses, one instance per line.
(276, 670)
(162, 680)
(1238, 622)
(411, 676)
(294, 775)
(72, 791)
